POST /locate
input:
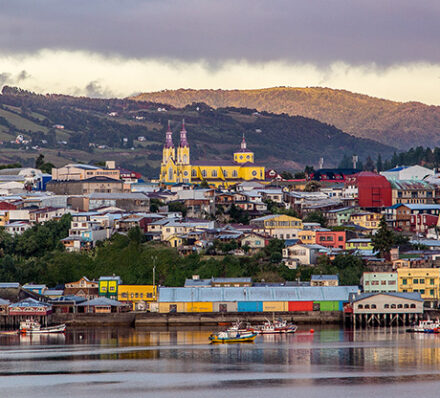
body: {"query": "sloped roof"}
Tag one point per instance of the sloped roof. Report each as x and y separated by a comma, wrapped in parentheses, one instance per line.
(284, 293)
(101, 301)
(408, 296)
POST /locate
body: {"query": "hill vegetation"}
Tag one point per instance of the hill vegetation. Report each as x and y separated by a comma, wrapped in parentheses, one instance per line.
(81, 129)
(393, 123)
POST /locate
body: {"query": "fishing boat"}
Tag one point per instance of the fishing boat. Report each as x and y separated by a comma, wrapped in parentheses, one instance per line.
(277, 327)
(33, 327)
(228, 336)
(426, 326)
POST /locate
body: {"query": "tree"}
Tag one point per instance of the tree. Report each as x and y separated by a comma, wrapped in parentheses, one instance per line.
(369, 164)
(312, 186)
(383, 240)
(300, 175)
(316, 216)
(286, 175)
(204, 184)
(178, 207)
(379, 164)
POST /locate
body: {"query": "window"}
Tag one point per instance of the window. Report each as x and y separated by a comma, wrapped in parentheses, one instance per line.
(431, 281)
(422, 281)
(399, 306)
(431, 292)
(416, 281)
(412, 306)
(406, 306)
(214, 173)
(373, 306)
(367, 306)
(360, 306)
(404, 282)
(149, 295)
(234, 173)
(225, 173)
(386, 306)
(204, 173)
(391, 282)
(340, 238)
(422, 291)
(194, 173)
(367, 283)
(383, 282)
(393, 306)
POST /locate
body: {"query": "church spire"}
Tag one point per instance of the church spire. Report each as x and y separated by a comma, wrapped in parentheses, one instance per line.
(243, 145)
(169, 137)
(183, 139)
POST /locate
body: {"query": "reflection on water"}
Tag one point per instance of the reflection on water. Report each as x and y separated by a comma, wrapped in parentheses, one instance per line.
(181, 363)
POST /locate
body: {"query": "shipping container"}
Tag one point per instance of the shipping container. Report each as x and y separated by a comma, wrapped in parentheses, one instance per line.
(275, 306)
(201, 306)
(300, 306)
(328, 305)
(225, 306)
(171, 307)
(250, 306)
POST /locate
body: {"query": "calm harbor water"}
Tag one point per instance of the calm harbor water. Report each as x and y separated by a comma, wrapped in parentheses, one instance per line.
(136, 363)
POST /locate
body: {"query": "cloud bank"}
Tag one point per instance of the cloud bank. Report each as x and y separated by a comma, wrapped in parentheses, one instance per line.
(111, 47)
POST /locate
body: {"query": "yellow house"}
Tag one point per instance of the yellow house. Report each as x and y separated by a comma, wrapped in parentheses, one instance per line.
(307, 237)
(135, 294)
(423, 280)
(359, 244)
(278, 226)
(4, 218)
(366, 220)
(176, 166)
(174, 241)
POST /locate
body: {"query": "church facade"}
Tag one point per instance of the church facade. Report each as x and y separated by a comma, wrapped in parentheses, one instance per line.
(176, 166)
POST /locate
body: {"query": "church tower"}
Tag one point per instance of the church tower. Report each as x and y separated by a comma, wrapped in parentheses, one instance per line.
(168, 170)
(243, 155)
(168, 149)
(183, 149)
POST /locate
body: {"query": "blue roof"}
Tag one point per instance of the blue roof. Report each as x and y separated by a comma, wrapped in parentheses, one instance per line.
(197, 282)
(325, 277)
(409, 296)
(30, 302)
(397, 168)
(283, 293)
(101, 301)
(9, 285)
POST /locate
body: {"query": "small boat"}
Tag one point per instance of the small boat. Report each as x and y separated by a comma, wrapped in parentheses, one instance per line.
(8, 332)
(33, 327)
(232, 337)
(426, 326)
(277, 327)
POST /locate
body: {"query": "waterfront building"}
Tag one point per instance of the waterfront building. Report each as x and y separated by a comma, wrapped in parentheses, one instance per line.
(373, 282)
(137, 295)
(82, 288)
(176, 166)
(425, 281)
(108, 286)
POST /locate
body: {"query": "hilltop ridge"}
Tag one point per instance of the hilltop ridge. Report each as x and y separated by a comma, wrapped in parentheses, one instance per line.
(401, 124)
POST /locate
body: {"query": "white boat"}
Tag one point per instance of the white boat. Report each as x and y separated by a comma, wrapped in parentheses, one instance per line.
(277, 327)
(34, 327)
(426, 326)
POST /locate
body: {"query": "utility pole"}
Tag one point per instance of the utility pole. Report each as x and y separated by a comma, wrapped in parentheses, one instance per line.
(154, 259)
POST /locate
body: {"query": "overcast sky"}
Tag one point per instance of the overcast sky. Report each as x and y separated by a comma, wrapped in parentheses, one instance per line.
(383, 48)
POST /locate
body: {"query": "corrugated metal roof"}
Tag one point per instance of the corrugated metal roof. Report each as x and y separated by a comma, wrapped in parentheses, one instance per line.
(284, 293)
(9, 285)
(101, 301)
(409, 296)
(325, 277)
(30, 302)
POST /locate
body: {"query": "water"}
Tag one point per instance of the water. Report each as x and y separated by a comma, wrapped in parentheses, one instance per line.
(137, 363)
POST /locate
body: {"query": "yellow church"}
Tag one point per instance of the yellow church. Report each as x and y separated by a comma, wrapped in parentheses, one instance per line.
(221, 173)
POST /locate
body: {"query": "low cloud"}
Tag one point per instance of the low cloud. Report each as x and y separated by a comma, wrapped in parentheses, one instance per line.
(85, 73)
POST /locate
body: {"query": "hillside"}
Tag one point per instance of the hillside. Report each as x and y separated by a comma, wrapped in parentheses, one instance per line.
(132, 133)
(393, 123)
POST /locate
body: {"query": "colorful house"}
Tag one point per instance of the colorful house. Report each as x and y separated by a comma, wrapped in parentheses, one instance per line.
(366, 220)
(108, 286)
(379, 282)
(278, 226)
(137, 295)
(422, 280)
(359, 244)
(332, 239)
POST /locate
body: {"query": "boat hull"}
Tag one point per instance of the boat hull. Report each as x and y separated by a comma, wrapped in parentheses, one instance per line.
(223, 340)
(48, 330)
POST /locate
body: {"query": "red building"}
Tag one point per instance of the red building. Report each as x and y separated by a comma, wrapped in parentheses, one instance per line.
(333, 239)
(422, 222)
(373, 190)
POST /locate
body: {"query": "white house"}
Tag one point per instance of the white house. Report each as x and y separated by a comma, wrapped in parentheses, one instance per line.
(407, 173)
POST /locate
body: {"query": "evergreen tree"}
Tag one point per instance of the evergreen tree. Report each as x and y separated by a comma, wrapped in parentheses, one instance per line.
(379, 164)
(369, 164)
(383, 240)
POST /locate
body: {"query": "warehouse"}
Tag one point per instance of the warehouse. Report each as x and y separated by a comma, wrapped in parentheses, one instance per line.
(254, 299)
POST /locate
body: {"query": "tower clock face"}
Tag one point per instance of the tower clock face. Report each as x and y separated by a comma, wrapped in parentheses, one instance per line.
(254, 173)
(185, 173)
(241, 156)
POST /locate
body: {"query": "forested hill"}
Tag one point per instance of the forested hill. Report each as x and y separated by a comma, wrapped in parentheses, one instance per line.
(80, 129)
(394, 123)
